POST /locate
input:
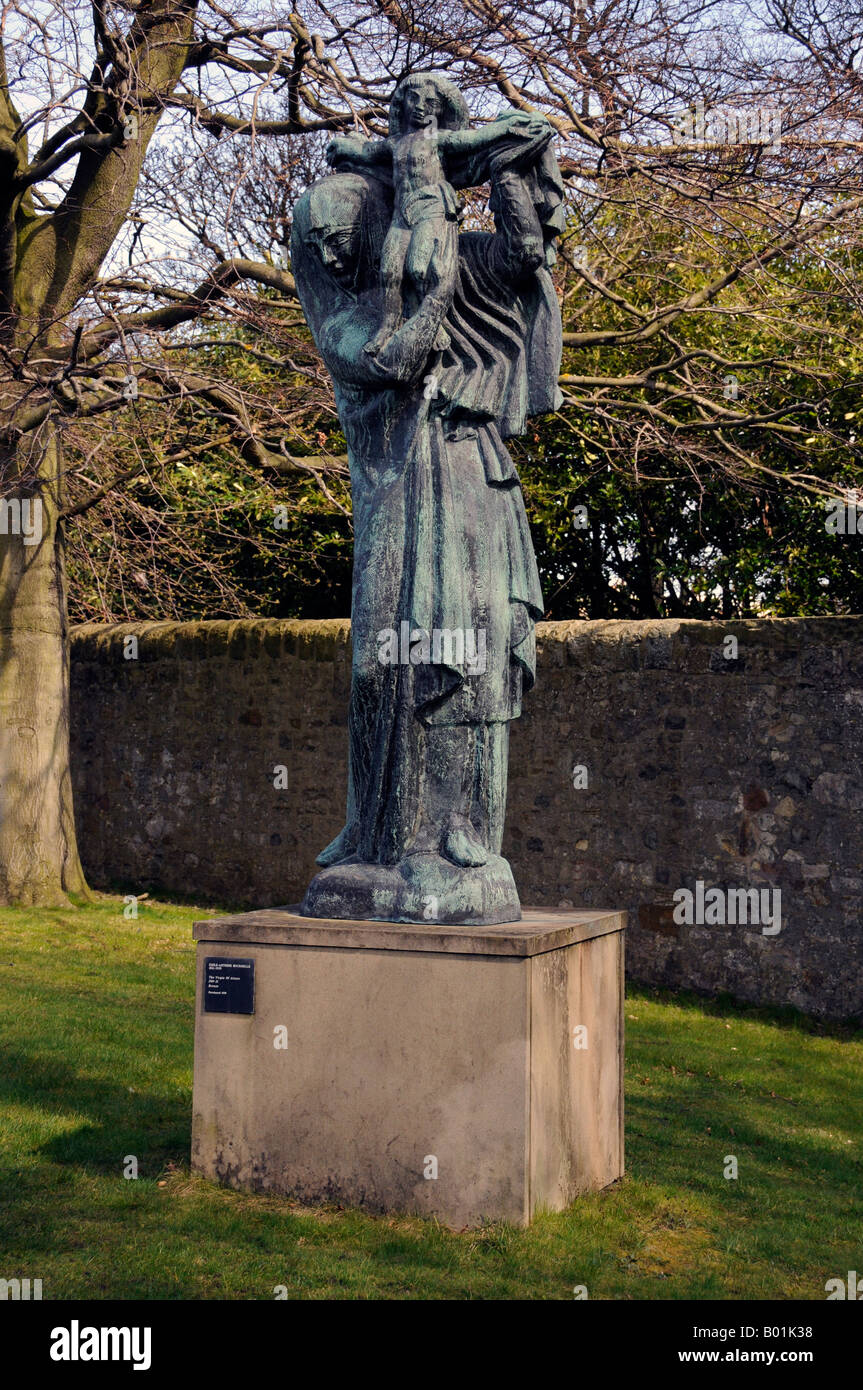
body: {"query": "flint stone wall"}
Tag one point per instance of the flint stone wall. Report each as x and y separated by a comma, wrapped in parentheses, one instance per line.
(739, 772)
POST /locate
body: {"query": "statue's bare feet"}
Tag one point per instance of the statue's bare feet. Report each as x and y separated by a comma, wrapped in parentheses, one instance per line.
(461, 844)
(442, 341)
(339, 849)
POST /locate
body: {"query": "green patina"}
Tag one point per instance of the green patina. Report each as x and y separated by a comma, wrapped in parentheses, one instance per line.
(438, 351)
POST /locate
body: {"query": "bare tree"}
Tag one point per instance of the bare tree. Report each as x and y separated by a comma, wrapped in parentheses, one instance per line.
(82, 90)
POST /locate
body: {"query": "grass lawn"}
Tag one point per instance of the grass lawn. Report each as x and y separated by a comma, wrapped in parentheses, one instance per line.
(96, 1021)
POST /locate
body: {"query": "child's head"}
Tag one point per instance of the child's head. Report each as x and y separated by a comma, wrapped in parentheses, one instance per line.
(420, 101)
(425, 96)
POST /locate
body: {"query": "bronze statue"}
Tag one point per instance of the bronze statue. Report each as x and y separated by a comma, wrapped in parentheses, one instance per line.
(440, 346)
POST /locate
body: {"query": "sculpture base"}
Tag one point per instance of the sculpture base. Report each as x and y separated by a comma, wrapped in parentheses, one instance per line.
(465, 1073)
(423, 888)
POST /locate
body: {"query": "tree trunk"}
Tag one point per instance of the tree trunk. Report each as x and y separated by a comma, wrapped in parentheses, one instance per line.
(38, 850)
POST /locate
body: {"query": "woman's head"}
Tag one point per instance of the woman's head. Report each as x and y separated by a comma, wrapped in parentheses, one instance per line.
(339, 226)
(338, 230)
(335, 215)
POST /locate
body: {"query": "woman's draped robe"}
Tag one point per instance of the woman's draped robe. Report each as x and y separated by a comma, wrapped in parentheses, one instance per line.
(442, 544)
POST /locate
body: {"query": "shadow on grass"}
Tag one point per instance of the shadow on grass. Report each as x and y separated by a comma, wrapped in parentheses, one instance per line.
(120, 1119)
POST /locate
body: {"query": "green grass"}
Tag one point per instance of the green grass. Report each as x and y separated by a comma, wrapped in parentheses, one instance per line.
(96, 1017)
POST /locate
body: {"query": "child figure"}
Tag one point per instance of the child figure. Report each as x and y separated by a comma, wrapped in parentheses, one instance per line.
(429, 127)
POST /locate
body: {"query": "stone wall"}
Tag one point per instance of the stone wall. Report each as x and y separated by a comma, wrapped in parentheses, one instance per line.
(650, 756)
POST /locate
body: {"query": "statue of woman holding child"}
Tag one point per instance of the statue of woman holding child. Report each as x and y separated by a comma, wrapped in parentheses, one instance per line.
(440, 345)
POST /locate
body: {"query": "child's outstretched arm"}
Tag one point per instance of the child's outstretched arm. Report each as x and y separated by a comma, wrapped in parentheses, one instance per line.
(357, 150)
(466, 142)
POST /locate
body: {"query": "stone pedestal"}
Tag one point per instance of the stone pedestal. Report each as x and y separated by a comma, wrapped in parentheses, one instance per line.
(466, 1073)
